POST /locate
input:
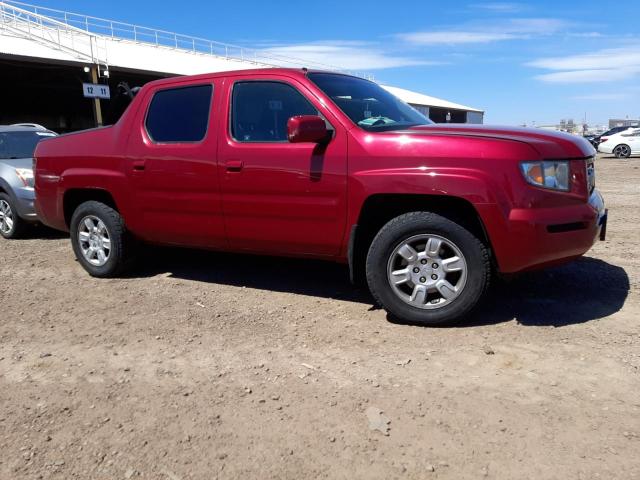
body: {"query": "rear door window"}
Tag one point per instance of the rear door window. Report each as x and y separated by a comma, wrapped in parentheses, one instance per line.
(179, 115)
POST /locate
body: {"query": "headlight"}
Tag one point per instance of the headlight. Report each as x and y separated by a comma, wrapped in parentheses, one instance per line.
(26, 175)
(548, 174)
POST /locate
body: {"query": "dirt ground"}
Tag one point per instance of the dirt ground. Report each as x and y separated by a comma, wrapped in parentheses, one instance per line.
(203, 365)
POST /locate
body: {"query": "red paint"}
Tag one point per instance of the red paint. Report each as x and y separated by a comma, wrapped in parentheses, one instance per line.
(303, 198)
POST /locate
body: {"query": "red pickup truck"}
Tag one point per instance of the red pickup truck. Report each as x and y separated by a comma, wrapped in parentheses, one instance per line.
(324, 165)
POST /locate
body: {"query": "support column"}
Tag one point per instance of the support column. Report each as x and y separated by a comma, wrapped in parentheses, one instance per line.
(97, 109)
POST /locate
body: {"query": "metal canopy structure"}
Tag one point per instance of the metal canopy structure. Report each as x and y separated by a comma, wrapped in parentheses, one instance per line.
(47, 36)
(96, 39)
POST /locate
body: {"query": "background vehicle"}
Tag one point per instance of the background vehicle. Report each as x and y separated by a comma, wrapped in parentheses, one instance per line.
(17, 143)
(623, 144)
(323, 165)
(591, 138)
(596, 140)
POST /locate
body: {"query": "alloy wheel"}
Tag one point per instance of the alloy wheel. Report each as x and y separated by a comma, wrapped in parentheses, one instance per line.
(427, 271)
(6, 217)
(622, 151)
(94, 240)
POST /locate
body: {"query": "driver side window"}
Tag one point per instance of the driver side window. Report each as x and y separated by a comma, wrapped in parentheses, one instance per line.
(260, 110)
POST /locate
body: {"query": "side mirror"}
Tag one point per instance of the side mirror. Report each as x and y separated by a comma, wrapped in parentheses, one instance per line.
(307, 128)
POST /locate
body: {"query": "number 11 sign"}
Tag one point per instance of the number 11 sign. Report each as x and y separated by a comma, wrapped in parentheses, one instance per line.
(96, 90)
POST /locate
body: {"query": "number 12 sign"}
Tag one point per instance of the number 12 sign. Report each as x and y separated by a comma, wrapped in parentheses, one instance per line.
(96, 90)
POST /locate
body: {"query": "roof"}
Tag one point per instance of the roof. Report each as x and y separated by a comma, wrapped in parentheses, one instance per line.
(420, 99)
(229, 73)
(22, 128)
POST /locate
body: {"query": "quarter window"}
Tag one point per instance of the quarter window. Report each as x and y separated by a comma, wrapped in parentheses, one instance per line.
(260, 110)
(179, 114)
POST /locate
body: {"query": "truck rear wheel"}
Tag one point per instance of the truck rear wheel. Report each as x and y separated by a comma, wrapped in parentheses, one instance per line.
(100, 240)
(425, 269)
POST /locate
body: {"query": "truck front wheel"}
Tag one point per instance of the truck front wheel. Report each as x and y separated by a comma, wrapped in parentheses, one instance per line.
(425, 269)
(100, 240)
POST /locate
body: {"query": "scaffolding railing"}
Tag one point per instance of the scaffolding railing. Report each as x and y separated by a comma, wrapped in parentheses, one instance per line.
(51, 32)
(121, 31)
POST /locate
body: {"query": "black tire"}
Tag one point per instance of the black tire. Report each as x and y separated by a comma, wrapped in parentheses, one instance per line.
(621, 152)
(409, 225)
(19, 226)
(122, 249)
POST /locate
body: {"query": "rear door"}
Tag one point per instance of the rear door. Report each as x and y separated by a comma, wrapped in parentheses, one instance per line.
(172, 165)
(280, 197)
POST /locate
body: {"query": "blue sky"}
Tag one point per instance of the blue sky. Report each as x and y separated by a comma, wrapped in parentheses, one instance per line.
(521, 62)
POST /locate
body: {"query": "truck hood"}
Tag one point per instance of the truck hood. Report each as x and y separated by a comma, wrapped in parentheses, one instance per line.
(549, 144)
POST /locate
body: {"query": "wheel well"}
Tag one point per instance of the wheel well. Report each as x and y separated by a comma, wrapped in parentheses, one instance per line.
(7, 191)
(73, 198)
(377, 210)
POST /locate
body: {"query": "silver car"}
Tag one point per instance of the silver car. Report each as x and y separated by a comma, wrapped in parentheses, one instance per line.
(17, 143)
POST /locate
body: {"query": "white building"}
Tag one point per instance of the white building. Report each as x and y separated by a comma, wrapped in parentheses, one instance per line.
(438, 109)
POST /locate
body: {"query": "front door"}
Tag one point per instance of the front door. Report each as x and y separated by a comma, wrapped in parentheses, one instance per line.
(280, 197)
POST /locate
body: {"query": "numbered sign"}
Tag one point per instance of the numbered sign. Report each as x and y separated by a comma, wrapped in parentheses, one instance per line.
(96, 90)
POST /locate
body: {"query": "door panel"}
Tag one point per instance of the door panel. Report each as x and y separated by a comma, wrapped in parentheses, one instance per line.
(280, 197)
(176, 186)
(634, 142)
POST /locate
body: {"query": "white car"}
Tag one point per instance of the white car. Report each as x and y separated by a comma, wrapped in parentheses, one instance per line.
(623, 144)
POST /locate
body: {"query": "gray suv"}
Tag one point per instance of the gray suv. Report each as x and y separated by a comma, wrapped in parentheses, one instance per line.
(17, 143)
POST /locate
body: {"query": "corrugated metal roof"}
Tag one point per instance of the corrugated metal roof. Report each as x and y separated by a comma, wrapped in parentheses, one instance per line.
(421, 99)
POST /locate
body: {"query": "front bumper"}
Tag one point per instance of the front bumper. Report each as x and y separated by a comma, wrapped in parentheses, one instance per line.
(25, 204)
(535, 238)
(597, 202)
(605, 147)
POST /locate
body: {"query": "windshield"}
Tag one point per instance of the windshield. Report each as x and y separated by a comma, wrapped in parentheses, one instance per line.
(367, 104)
(20, 144)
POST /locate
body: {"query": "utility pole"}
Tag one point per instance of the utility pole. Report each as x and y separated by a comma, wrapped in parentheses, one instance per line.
(97, 110)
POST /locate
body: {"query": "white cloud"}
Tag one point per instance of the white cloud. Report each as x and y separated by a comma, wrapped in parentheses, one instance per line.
(603, 97)
(589, 76)
(607, 65)
(609, 58)
(536, 26)
(454, 37)
(585, 35)
(500, 7)
(513, 29)
(338, 55)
